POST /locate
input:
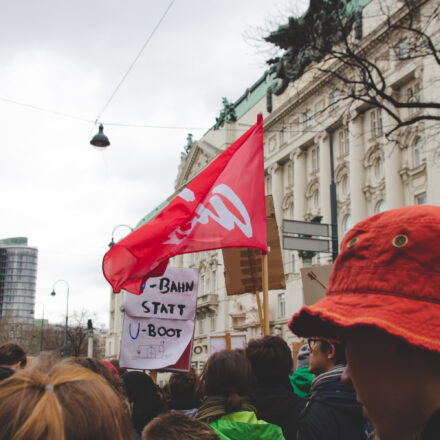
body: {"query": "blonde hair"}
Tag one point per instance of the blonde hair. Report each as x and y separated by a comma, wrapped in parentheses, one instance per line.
(66, 403)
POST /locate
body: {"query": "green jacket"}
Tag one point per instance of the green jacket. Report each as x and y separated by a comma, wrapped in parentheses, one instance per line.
(301, 381)
(244, 425)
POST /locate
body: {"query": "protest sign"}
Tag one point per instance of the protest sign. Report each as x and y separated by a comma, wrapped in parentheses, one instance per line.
(243, 266)
(159, 323)
(315, 280)
(220, 342)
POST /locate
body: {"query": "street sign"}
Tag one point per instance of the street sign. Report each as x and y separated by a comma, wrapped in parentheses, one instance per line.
(306, 228)
(305, 244)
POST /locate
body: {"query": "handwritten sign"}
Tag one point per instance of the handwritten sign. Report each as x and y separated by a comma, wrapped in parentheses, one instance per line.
(159, 323)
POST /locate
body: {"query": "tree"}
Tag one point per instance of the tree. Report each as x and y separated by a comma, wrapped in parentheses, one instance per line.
(329, 40)
(28, 336)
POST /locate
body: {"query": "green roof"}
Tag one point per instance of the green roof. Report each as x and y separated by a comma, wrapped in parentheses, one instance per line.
(152, 214)
(254, 94)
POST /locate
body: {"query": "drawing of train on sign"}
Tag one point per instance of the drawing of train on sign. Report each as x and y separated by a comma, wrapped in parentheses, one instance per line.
(151, 351)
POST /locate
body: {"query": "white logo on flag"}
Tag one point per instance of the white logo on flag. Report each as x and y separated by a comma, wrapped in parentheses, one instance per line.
(220, 213)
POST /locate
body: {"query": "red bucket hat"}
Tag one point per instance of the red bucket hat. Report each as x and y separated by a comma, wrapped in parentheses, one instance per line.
(386, 276)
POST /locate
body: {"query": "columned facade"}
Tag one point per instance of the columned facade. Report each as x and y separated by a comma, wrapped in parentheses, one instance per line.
(371, 173)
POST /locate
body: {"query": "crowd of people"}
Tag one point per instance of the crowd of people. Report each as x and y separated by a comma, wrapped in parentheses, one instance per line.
(370, 367)
(241, 394)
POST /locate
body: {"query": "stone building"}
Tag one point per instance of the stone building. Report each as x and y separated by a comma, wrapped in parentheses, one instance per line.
(371, 173)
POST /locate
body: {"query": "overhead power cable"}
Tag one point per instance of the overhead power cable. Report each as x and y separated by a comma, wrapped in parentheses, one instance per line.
(46, 110)
(134, 61)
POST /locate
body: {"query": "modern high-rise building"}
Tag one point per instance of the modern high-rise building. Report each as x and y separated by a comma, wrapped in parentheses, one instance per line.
(18, 277)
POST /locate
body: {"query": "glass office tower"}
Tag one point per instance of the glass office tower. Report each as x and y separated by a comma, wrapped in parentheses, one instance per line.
(18, 277)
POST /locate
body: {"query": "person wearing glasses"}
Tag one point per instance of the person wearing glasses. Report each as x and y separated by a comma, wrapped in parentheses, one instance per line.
(332, 411)
(383, 301)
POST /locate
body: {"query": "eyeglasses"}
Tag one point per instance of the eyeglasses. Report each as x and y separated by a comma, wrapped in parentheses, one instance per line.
(312, 342)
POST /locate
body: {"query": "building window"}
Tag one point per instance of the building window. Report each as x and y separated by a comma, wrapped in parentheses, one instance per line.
(346, 224)
(421, 199)
(307, 118)
(344, 147)
(214, 281)
(268, 184)
(345, 185)
(281, 305)
(403, 50)
(294, 127)
(419, 154)
(201, 329)
(202, 285)
(376, 122)
(213, 323)
(334, 97)
(378, 169)
(283, 136)
(315, 159)
(413, 95)
(380, 207)
(290, 174)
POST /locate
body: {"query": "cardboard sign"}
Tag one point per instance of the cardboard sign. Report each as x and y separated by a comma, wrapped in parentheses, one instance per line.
(243, 266)
(315, 280)
(218, 342)
(159, 324)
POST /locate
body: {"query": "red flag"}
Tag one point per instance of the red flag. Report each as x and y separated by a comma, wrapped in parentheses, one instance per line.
(224, 206)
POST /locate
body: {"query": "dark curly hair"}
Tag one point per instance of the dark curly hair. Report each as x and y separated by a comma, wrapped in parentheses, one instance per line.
(11, 353)
(271, 360)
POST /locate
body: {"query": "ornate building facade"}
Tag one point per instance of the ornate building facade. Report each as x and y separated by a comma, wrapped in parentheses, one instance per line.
(372, 174)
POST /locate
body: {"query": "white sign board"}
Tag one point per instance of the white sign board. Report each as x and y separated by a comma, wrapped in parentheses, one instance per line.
(218, 342)
(159, 323)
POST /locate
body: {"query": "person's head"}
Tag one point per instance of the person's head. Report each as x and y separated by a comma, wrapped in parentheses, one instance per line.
(65, 403)
(271, 360)
(303, 357)
(144, 398)
(325, 355)
(177, 426)
(383, 300)
(227, 373)
(103, 370)
(387, 374)
(183, 385)
(12, 356)
(121, 370)
(112, 368)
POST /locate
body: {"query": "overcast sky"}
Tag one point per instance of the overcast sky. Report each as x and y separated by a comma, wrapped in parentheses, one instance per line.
(68, 57)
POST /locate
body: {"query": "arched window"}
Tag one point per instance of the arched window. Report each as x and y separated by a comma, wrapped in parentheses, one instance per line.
(268, 184)
(345, 185)
(378, 169)
(346, 224)
(380, 207)
(419, 153)
(315, 159)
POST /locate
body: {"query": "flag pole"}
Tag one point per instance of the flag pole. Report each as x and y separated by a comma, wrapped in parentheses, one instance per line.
(153, 375)
(266, 294)
(228, 341)
(260, 311)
